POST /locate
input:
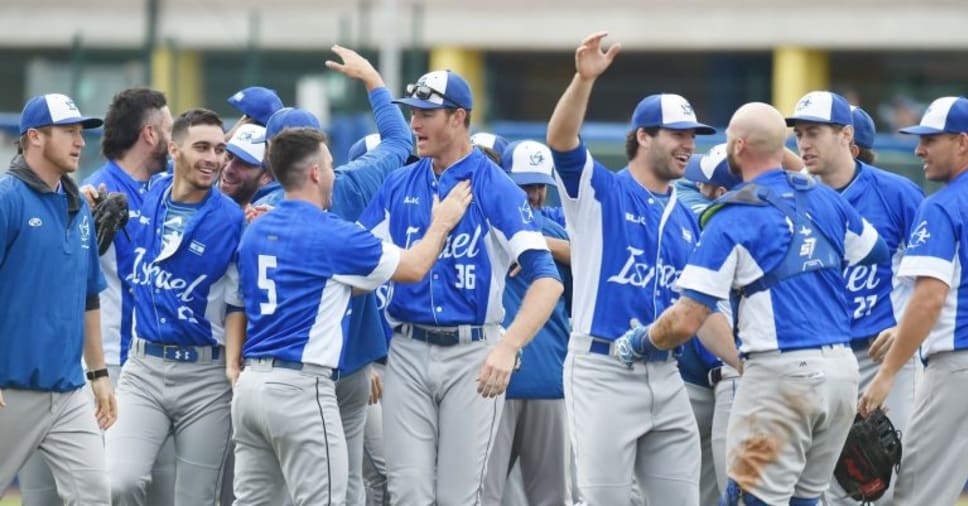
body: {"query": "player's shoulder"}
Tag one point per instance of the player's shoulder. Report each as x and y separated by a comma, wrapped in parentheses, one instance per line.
(227, 207)
(889, 182)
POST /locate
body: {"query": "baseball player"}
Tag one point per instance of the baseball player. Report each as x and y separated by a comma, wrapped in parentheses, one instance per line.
(450, 360)
(630, 238)
(186, 301)
(298, 265)
(257, 104)
(44, 218)
(823, 124)
(533, 428)
(778, 243)
(862, 147)
(245, 174)
(933, 469)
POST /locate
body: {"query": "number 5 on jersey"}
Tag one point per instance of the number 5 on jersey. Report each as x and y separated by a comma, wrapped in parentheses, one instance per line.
(267, 262)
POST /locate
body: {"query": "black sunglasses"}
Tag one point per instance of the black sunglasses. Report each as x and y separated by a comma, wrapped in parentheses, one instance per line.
(424, 92)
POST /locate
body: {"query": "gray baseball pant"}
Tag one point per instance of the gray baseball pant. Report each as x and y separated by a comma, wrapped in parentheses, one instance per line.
(703, 401)
(789, 421)
(62, 428)
(288, 437)
(630, 422)
(534, 433)
(159, 399)
(353, 396)
(899, 405)
(439, 430)
(725, 394)
(933, 464)
(374, 461)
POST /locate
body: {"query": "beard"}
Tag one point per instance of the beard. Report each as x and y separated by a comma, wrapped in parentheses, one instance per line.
(733, 164)
(159, 158)
(663, 165)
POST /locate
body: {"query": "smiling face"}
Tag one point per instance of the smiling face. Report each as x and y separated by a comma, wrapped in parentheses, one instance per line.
(942, 155)
(241, 180)
(669, 151)
(199, 156)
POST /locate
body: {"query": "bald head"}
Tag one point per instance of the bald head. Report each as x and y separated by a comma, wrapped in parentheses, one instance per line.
(762, 129)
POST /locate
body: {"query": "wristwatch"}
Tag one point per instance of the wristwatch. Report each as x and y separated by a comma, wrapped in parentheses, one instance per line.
(97, 373)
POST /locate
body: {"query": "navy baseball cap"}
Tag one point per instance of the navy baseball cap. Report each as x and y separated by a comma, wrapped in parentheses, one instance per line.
(528, 162)
(290, 117)
(712, 168)
(669, 111)
(863, 127)
(437, 90)
(257, 103)
(490, 141)
(944, 115)
(248, 144)
(822, 107)
(53, 109)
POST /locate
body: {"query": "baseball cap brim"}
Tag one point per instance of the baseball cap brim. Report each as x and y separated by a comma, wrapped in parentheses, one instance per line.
(85, 122)
(694, 171)
(522, 179)
(241, 153)
(700, 128)
(791, 121)
(921, 130)
(416, 103)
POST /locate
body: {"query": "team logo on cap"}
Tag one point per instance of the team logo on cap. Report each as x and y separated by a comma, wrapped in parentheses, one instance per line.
(69, 103)
(803, 103)
(246, 136)
(687, 109)
(536, 158)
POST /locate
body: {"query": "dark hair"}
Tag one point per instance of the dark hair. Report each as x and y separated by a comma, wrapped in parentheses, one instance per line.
(632, 140)
(129, 111)
(866, 155)
(291, 153)
(493, 155)
(191, 118)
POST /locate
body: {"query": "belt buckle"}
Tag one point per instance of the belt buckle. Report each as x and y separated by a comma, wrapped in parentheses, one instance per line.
(179, 353)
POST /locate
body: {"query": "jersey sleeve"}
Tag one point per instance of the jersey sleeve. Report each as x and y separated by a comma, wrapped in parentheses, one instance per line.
(720, 261)
(360, 259)
(580, 180)
(511, 216)
(860, 238)
(233, 292)
(932, 245)
(376, 216)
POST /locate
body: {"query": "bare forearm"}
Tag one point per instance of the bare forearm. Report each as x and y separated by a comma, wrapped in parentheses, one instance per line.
(419, 258)
(717, 336)
(678, 323)
(560, 250)
(566, 120)
(919, 317)
(235, 323)
(93, 346)
(539, 301)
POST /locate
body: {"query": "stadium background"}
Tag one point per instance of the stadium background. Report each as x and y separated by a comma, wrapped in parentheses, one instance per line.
(891, 57)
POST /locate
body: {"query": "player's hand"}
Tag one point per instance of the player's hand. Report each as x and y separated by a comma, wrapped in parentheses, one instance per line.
(590, 60)
(232, 372)
(496, 371)
(876, 392)
(2, 404)
(882, 344)
(252, 212)
(376, 386)
(355, 66)
(91, 194)
(515, 270)
(105, 403)
(449, 211)
(628, 345)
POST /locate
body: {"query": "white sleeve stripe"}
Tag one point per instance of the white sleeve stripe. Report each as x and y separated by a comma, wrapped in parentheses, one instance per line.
(389, 261)
(527, 240)
(703, 280)
(382, 229)
(932, 267)
(856, 248)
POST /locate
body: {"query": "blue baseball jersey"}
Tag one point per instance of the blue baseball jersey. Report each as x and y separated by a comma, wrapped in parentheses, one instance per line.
(875, 296)
(48, 270)
(741, 243)
(937, 249)
(542, 359)
(354, 186)
(628, 245)
(117, 300)
(184, 282)
(691, 197)
(466, 284)
(297, 267)
(555, 214)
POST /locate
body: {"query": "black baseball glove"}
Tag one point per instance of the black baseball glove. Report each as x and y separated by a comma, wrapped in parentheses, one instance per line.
(871, 454)
(110, 215)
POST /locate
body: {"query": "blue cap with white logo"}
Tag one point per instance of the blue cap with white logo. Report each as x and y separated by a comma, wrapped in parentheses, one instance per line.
(863, 127)
(712, 168)
(290, 117)
(528, 162)
(669, 111)
(822, 107)
(53, 109)
(256, 102)
(490, 141)
(944, 115)
(248, 144)
(437, 90)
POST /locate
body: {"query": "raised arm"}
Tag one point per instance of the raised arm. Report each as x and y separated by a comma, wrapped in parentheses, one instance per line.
(569, 113)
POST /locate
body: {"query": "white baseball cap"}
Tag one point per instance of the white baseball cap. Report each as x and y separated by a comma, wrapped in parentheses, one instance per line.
(247, 143)
(528, 162)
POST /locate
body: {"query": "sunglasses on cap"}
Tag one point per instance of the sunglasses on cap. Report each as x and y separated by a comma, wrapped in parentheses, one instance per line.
(424, 92)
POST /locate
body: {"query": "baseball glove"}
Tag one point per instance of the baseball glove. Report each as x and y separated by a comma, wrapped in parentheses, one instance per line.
(872, 452)
(110, 215)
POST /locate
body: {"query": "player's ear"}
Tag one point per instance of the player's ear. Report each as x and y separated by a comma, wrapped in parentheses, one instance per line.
(314, 173)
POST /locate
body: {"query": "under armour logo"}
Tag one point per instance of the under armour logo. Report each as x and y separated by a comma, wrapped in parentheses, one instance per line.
(178, 354)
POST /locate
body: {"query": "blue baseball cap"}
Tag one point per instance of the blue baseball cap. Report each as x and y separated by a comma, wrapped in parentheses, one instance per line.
(53, 109)
(712, 168)
(528, 162)
(257, 103)
(863, 127)
(363, 146)
(669, 111)
(290, 117)
(944, 115)
(822, 107)
(490, 141)
(248, 144)
(437, 90)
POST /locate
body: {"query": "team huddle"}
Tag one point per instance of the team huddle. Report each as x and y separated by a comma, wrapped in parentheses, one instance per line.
(261, 328)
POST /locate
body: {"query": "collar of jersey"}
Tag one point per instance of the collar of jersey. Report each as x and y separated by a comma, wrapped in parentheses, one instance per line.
(465, 168)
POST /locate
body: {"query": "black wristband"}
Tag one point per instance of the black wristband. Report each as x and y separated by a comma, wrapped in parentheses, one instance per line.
(99, 373)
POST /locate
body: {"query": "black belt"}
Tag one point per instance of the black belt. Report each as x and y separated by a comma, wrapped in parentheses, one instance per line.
(440, 336)
(714, 376)
(295, 366)
(179, 353)
(861, 343)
